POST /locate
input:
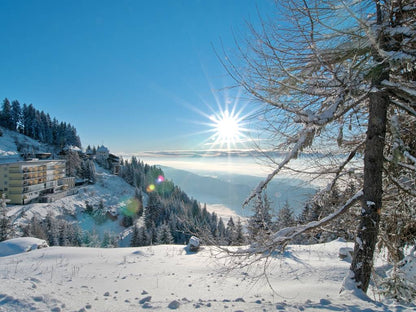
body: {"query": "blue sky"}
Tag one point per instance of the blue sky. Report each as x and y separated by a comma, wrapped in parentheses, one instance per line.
(126, 74)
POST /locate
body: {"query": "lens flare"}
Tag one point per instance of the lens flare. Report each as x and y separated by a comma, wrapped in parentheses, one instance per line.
(160, 179)
(150, 188)
(132, 207)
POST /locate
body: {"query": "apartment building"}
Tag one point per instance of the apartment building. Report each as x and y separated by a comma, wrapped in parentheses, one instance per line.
(26, 181)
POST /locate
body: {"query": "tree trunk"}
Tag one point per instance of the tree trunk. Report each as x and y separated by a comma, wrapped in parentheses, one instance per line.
(371, 204)
(366, 239)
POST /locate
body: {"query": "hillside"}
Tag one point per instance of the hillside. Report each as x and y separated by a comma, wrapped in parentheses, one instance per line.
(165, 277)
(113, 192)
(11, 141)
(102, 214)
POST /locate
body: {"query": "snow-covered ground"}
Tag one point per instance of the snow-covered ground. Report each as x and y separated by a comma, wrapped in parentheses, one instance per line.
(109, 189)
(165, 277)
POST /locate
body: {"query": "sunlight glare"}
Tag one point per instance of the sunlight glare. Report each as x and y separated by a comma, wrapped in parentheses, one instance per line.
(227, 127)
(226, 122)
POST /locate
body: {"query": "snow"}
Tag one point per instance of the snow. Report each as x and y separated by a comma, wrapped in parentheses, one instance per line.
(112, 190)
(21, 244)
(409, 265)
(8, 148)
(8, 145)
(166, 277)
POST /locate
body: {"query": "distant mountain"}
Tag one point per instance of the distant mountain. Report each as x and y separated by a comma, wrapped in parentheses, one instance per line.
(232, 189)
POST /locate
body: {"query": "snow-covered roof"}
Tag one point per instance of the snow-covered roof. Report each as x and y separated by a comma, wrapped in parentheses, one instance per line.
(72, 148)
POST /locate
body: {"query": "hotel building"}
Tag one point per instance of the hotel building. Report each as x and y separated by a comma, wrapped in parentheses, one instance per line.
(26, 181)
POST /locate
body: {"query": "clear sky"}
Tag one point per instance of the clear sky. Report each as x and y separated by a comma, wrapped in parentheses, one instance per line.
(132, 75)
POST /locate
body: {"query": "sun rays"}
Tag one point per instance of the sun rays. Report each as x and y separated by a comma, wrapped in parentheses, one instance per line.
(226, 124)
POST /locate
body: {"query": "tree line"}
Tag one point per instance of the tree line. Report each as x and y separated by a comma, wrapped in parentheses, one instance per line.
(38, 125)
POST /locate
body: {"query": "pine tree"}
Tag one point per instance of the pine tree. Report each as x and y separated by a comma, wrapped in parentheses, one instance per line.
(16, 116)
(5, 225)
(285, 217)
(134, 242)
(164, 235)
(109, 240)
(259, 225)
(143, 237)
(221, 231)
(153, 211)
(239, 235)
(6, 115)
(63, 234)
(230, 232)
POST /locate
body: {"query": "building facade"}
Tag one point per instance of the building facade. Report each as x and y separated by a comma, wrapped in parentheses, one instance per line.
(26, 181)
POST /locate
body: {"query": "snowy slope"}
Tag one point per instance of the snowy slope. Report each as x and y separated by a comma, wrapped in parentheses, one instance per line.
(113, 191)
(164, 277)
(9, 141)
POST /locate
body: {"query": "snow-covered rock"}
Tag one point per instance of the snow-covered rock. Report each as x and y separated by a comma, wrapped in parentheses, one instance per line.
(194, 243)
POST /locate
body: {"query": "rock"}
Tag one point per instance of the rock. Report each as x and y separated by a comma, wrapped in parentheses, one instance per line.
(174, 305)
(193, 244)
(145, 299)
(146, 305)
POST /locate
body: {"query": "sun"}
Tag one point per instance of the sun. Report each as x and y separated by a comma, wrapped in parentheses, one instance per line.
(228, 128)
(226, 124)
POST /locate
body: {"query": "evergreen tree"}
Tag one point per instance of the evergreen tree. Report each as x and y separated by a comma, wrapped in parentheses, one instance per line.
(259, 225)
(143, 239)
(239, 235)
(164, 235)
(5, 225)
(221, 230)
(6, 115)
(230, 232)
(109, 240)
(63, 234)
(285, 217)
(16, 116)
(134, 242)
(152, 234)
(153, 211)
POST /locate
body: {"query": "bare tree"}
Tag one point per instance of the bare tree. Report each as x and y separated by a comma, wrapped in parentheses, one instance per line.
(337, 77)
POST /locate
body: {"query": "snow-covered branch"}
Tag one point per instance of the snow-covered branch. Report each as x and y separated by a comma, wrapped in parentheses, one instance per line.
(303, 140)
(284, 236)
(406, 187)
